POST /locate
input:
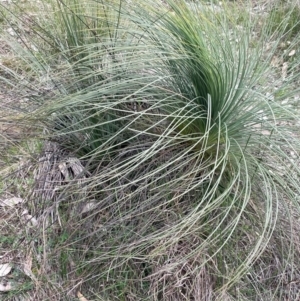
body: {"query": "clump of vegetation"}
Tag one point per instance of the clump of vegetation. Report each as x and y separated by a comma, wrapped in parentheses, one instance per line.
(167, 171)
(285, 14)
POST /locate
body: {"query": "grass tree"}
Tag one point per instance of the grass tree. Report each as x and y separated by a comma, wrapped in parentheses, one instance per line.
(188, 183)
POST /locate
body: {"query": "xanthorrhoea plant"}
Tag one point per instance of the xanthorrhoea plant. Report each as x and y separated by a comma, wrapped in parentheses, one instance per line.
(197, 186)
(188, 155)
